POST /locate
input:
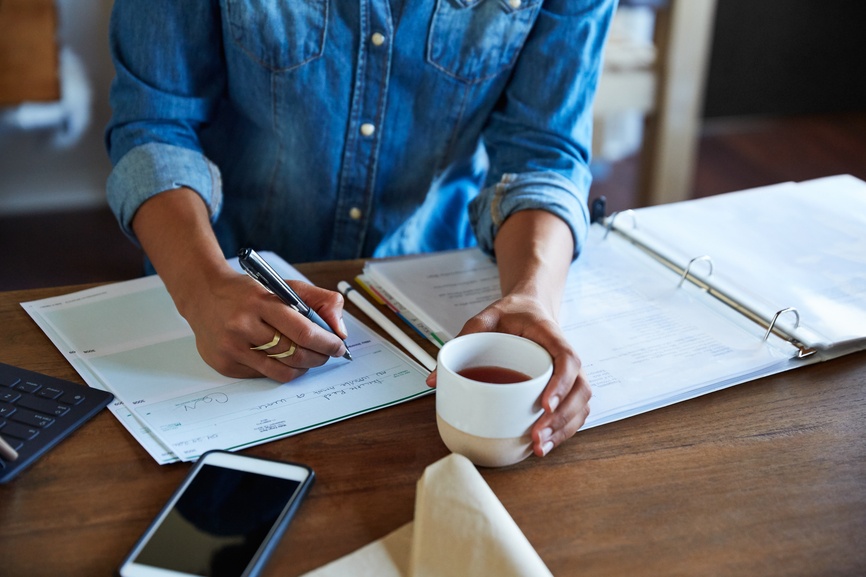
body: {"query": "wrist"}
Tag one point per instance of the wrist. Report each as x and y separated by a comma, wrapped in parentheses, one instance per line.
(533, 251)
(175, 231)
(189, 284)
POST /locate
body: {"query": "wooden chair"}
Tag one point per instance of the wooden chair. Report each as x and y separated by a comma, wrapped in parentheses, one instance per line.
(668, 90)
(28, 52)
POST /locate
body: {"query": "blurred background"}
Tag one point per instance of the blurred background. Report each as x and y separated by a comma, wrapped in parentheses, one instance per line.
(698, 97)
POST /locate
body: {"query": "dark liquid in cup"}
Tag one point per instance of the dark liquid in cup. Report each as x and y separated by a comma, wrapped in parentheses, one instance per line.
(493, 375)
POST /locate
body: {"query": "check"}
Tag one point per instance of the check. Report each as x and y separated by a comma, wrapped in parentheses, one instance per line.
(128, 338)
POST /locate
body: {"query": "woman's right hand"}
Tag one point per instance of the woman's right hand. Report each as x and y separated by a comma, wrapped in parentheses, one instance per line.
(228, 311)
(234, 315)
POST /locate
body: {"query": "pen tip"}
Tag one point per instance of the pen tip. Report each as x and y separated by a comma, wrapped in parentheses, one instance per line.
(348, 355)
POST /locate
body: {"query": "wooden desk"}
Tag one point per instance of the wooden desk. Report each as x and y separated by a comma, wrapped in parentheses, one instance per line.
(766, 478)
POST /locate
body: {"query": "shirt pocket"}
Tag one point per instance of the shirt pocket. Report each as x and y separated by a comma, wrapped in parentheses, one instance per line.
(278, 35)
(474, 40)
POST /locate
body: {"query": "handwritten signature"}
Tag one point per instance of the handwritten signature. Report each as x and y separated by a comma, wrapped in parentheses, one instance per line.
(211, 398)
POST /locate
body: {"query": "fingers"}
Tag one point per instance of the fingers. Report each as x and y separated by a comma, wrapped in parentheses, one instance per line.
(292, 354)
(431, 379)
(565, 413)
(253, 333)
(314, 343)
(566, 397)
(283, 360)
(270, 344)
(328, 304)
(274, 356)
(287, 349)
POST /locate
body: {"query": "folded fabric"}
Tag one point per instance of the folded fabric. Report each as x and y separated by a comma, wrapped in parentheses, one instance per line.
(460, 529)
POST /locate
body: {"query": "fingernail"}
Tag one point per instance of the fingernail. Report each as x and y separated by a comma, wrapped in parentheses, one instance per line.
(343, 327)
(545, 434)
(546, 447)
(554, 402)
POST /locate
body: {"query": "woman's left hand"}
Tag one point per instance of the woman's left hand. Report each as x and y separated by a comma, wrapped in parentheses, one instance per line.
(566, 397)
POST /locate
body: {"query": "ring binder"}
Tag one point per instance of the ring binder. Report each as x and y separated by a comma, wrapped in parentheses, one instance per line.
(705, 257)
(597, 209)
(777, 315)
(609, 225)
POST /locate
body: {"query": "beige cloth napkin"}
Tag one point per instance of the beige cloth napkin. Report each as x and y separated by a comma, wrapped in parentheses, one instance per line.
(460, 529)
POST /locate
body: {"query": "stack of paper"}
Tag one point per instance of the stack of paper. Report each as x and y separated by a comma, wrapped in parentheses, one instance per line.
(129, 339)
(647, 339)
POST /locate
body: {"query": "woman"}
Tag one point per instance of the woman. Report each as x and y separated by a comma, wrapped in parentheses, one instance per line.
(344, 129)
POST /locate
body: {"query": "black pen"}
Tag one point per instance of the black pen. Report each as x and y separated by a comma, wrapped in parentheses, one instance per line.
(256, 267)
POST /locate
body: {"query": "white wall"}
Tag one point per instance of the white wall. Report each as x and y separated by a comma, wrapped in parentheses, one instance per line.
(59, 162)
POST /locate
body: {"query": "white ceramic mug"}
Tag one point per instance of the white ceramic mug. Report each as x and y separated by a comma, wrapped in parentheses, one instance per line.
(490, 423)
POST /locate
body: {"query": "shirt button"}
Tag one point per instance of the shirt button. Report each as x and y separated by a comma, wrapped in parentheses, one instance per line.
(515, 3)
(367, 129)
(377, 39)
(355, 213)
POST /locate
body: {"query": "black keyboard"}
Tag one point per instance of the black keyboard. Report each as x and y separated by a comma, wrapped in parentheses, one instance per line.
(38, 411)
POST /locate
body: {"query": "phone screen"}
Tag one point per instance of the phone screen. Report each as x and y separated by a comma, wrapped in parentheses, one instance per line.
(219, 523)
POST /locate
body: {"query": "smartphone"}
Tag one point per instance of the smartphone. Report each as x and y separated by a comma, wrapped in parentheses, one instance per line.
(223, 520)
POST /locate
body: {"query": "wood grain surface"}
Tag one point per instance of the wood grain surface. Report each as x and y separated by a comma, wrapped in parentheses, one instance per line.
(766, 478)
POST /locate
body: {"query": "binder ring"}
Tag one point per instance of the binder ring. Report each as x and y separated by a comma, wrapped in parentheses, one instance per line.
(609, 226)
(705, 257)
(776, 317)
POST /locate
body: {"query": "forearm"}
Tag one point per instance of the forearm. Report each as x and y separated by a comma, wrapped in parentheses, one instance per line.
(533, 252)
(174, 230)
(231, 314)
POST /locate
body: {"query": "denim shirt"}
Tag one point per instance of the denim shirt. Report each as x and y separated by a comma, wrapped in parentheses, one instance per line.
(338, 129)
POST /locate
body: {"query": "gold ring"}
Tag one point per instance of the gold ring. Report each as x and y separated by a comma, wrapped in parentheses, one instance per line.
(269, 345)
(284, 354)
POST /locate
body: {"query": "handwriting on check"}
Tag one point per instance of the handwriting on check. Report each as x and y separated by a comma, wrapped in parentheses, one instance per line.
(327, 393)
(209, 398)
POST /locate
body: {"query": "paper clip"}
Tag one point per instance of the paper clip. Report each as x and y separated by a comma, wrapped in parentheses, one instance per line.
(689, 267)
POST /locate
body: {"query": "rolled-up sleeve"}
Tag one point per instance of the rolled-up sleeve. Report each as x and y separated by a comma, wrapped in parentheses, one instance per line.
(548, 191)
(169, 82)
(149, 169)
(539, 138)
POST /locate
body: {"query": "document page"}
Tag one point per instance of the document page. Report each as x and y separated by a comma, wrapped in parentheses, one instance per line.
(645, 342)
(442, 290)
(136, 428)
(130, 339)
(800, 245)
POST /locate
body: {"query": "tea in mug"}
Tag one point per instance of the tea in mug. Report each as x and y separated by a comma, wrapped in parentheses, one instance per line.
(493, 375)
